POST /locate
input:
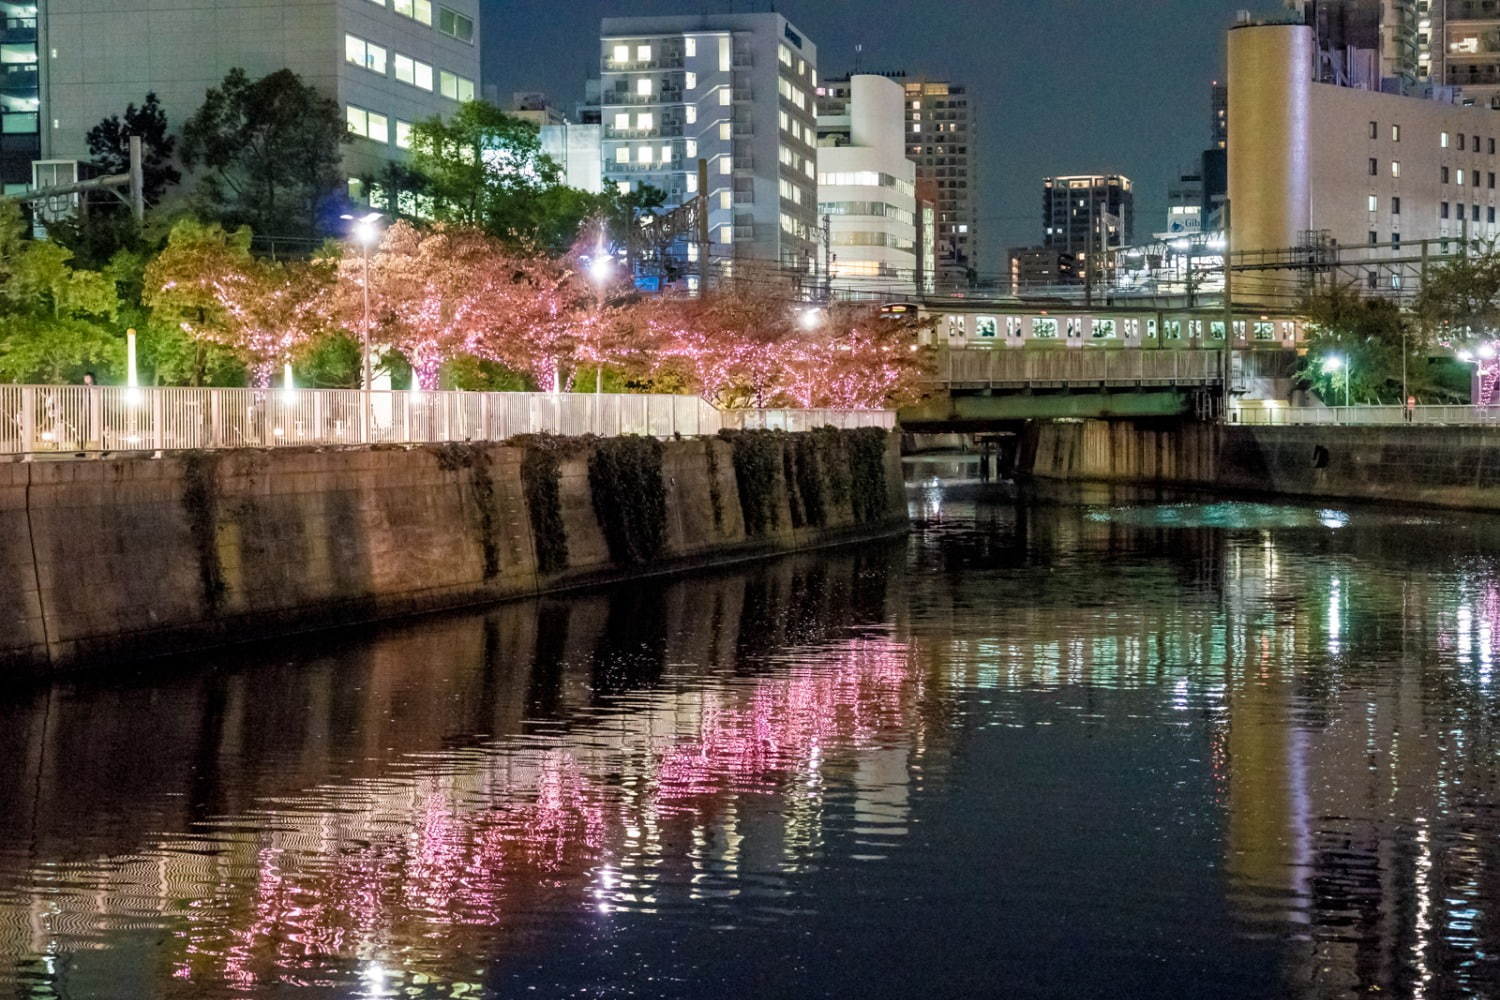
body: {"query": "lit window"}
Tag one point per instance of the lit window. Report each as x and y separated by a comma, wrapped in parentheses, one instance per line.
(726, 62)
(1443, 140)
(726, 200)
(455, 87)
(726, 131)
(372, 126)
(644, 155)
(726, 165)
(643, 87)
(726, 97)
(409, 70)
(363, 53)
(645, 120)
(666, 154)
(1460, 176)
(621, 54)
(1395, 168)
(417, 10)
(785, 55)
(690, 47)
(1395, 133)
(690, 113)
(622, 186)
(1373, 204)
(403, 134)
(622, 120)
(691, 146)
(690, 80)
(643, 53)
(692, 183)
(622, 154)
(726, 234)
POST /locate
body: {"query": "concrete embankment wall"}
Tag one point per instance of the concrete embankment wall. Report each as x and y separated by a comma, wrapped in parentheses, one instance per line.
(1437, 466)
(120, 559)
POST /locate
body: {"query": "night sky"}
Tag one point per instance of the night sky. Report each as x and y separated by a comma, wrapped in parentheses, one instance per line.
(1064, 86)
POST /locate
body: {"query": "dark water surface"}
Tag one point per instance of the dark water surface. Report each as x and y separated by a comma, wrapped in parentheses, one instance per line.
(1200, 749)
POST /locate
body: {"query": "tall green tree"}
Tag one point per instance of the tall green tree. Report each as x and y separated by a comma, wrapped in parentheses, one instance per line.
(1359, 342)
(1459, 302)
(109, 146)
(267, 152)
(55, 319)
(485, 169)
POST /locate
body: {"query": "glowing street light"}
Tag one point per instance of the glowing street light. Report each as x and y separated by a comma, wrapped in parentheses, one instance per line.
(811, 318)
(601, 270)
(366, 231)
(1336, 363)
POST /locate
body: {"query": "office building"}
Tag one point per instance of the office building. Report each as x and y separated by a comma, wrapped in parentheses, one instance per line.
(736, 91)
(1185, 204)
(1219, 124)
(1347, 166)
(1035, 268)
(1088, 215)
(866, 185)
(388, 63)
(941, 141)
(577, 151)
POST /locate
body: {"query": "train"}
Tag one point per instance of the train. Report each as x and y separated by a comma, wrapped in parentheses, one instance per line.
(1017, 326)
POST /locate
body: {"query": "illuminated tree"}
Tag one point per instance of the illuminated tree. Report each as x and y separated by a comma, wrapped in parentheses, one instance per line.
(209, 284)
(433, 294)
(756, 346)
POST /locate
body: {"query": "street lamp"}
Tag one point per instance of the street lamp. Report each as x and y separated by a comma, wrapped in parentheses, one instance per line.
(366, 234)
(811, 318)
(1336, 363)
(601, 269)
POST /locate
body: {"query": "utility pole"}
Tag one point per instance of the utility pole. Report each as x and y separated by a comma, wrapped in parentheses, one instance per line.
(827, 257)
(702, 227)
(137, 179)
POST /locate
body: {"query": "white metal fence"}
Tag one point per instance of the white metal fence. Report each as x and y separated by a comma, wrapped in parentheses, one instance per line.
(83, 419)
(1356, 416)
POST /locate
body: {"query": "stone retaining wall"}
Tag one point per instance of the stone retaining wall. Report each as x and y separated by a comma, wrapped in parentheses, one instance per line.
(1438, 466)
(125, 558)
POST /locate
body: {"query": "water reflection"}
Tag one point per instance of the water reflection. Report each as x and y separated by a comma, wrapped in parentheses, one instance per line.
(1098, 748)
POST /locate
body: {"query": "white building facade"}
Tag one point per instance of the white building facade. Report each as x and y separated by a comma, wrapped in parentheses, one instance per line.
(576, 149)
(867, 186)
(388, 63)
(737, 92)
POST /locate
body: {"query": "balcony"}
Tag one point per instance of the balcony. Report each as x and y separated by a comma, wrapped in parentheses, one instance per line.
(1473, 75)
(1472, 10)
(18, 30)
(623, 98)
(19, 78)
(667, 61)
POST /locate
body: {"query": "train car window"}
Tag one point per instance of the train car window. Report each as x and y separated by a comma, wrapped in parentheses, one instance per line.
(1172, 329)
(1103, 328)
(1195, 329)
(1239, 329)
(1151, 328)
(1013, 326)
(1075, 327)
(1132, 329)
(1044, 329)
(1216, 330)
(987, 326)
(1265, 331)
(955, 326)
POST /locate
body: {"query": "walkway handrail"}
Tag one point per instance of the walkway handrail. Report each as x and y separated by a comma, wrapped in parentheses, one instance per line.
(41, 419)
(1364, 416)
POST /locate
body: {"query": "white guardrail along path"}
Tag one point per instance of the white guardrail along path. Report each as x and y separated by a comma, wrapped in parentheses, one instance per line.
(82, 419)
(1369, 416)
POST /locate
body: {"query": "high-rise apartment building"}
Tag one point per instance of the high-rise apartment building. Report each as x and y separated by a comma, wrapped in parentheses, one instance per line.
(1459, 46)
(1219, 124)
(737, 91)
(867, 186)
(941, 140)
(388, 63)
(1088, 214)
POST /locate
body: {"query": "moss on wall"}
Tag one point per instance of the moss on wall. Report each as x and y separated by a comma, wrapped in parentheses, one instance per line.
(200, 504)
(630, 497)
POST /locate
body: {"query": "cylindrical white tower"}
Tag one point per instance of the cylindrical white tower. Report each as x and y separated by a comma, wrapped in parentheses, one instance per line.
(1270, 88)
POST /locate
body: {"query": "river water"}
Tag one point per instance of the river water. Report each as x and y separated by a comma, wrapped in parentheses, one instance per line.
(1095, 748)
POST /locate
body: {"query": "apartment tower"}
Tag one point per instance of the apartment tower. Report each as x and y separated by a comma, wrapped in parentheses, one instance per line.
(736, 91)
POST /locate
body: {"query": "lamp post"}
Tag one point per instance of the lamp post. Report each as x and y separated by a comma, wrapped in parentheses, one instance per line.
(366, 233)
(601, 269)
(1336, 363)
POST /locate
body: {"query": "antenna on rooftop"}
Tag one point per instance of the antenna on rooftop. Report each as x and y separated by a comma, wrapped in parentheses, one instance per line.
(859, 54)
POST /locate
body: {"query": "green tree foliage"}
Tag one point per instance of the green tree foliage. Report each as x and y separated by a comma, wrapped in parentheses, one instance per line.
(484, 168)
(109, 146)
(1459, 302)
(57, 318)
(1367, 337)
(269, 152)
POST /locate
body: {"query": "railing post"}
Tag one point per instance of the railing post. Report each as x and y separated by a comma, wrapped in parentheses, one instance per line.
(28, 420)
(158, 419)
